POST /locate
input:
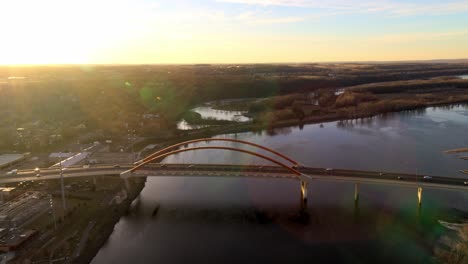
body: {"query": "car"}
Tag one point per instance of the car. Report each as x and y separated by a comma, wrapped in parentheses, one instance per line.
(86, 166)
(381, 174)
(38, 175)
(12, 172)
(427, 178)
(465, 183)
(328, 170)
(163, 166)
(37, 170)
(400, 178)
(116, 166)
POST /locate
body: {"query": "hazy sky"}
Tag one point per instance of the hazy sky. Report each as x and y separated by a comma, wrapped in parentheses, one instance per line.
(230, 31)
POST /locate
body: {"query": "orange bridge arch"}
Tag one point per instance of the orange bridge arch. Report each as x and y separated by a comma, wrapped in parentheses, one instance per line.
(152, 156)
(163, 155)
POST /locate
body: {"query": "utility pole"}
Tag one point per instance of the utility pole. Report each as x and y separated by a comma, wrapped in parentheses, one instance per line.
(133, 151)
(64, 206)
(51, 201)
(131, 137)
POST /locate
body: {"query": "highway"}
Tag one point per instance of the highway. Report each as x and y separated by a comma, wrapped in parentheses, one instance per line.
(219, 170)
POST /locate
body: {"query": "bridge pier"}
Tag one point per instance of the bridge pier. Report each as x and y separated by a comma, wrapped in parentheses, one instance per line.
(420, 190)
(94, 183)
(356, 192)
(303, 195)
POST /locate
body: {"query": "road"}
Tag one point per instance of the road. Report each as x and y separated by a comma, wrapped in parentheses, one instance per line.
(219, 170)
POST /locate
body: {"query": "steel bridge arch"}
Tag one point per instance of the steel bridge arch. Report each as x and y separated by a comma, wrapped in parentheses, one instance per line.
(150, 157)
(163, 155)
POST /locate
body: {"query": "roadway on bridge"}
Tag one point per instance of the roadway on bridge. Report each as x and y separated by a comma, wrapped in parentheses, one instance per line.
(215, 170)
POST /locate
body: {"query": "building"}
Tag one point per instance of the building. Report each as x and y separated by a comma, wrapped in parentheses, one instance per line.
(13, 239)
(8, 193)
(110, 158)
(58, 156)
(7, 160)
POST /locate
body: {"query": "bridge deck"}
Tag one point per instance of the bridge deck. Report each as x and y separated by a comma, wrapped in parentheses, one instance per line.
(220, 170)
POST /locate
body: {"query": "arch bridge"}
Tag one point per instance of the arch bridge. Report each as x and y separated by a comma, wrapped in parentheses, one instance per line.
(285, 167)
(282, 167)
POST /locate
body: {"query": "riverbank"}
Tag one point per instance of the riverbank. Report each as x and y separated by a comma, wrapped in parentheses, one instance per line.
(325, 106)
(210, 131)
(452, 248)
(107, 219)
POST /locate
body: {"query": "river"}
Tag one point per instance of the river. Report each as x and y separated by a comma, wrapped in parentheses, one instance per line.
(228, 220)
(208, 112)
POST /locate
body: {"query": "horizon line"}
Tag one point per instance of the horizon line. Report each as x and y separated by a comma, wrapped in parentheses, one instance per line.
(227, 63)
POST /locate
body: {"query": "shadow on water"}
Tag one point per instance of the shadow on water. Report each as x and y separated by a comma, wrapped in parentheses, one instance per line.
(234, 234)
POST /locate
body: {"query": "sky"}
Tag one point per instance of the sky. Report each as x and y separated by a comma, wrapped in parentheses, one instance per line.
(230, 31)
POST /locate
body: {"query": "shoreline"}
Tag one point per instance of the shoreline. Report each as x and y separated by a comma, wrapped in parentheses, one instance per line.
(106, 226)
(255, 127)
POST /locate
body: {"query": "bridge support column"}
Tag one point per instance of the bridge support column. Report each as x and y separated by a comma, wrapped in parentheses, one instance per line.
(356, 192)
(420, 190)
(303, 195)
(94, 183)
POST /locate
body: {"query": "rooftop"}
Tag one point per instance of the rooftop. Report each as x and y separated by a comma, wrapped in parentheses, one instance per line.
(6, 159)
(7, 189)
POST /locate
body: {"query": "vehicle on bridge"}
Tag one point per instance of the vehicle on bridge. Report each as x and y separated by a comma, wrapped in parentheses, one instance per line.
(12, 172)
(38, 172)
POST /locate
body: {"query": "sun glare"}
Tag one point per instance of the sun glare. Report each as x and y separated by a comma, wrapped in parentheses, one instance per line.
(140, 31)
(55, 32)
